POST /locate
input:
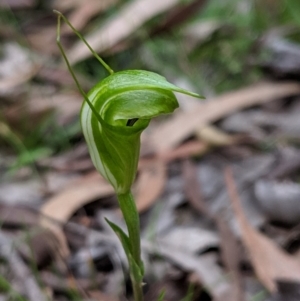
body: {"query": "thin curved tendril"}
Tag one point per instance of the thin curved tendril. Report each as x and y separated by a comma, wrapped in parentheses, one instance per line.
(106, 66)
(70, 68)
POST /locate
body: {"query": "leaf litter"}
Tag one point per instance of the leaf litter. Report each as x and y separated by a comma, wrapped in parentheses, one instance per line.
(129, 19)
(198, 242)
(264, 253)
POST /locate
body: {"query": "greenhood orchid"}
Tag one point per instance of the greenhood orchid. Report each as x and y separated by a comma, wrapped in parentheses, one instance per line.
(113, 115)
(125, 101)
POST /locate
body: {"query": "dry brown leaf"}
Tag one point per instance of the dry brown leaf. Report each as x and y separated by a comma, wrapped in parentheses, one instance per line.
(150, 185)
(269, 261)
(190, 148)
(231, 257)
(62, 206)
(123, 24)
(184, 124)
(229, 247)
(214, 136)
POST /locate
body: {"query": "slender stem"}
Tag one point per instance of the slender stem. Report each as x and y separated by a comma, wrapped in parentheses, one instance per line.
(131, 217)
(137, 290)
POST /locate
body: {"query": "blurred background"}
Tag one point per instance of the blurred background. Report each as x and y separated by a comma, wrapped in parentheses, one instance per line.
(218, 183)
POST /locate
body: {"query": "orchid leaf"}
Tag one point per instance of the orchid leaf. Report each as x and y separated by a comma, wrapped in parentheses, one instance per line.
(122, 236)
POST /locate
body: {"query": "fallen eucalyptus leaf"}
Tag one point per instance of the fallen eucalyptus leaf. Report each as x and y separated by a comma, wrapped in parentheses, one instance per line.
(270, 262)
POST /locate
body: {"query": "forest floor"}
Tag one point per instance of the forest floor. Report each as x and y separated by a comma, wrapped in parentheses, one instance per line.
(218, 184)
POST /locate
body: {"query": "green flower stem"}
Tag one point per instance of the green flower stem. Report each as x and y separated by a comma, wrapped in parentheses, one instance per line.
(137, 290)
(132, 220)
(131, 216)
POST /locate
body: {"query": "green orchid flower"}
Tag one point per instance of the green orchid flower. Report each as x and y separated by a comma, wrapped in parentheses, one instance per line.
(125, 103)
(113, 115)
